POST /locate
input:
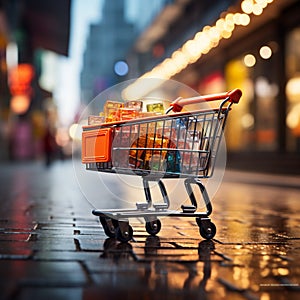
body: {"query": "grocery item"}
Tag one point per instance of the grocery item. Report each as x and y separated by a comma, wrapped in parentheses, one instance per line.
(111, 110)
(135, 104)
(155, 107)
(96, 120)
(151, 152)
(128, 113)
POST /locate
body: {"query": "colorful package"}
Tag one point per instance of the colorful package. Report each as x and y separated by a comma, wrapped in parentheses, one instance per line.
(111, 110)
(135, 104)
(155, 107)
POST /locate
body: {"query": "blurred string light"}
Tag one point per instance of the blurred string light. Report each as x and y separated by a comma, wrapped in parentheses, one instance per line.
(265, 52)
(203, 41)
(249, 60)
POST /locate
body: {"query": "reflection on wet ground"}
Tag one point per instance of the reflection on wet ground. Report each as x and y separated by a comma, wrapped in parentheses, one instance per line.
(253, 269)
(157, 274)
(51, 245)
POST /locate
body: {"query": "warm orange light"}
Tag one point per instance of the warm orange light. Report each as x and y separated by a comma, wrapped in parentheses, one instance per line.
(265, 52)
(247, 6)
(249, 60)
(22, 73)
(293, 89)
(257, 9)
(20, 79)
(293, 118)
(19, 104)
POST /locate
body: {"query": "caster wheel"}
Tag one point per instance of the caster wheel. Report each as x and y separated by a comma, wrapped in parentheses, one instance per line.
(207, 230)
(108, 226)
(153, 227)
(124, 234)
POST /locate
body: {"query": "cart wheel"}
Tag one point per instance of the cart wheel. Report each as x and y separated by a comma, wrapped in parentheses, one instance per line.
(153, 227)
(207, 230)
(108, 226)
(124, 236)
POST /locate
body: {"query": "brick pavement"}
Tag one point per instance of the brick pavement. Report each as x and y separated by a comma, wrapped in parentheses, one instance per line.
(52, 247)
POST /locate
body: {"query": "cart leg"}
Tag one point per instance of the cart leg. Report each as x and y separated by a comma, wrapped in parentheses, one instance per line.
(145, 205)
(164, 193)
(192, 208)
(158, 206)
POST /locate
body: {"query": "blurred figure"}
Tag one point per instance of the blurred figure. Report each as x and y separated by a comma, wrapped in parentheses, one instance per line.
(50, 145)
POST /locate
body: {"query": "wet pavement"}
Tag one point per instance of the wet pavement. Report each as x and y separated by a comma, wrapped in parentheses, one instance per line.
(52, 247)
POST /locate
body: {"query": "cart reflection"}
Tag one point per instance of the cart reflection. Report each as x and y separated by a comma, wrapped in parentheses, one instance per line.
(155, 273)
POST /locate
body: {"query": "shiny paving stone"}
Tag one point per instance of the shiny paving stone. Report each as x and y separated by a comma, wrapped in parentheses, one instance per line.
(30, 293)
(19, 274)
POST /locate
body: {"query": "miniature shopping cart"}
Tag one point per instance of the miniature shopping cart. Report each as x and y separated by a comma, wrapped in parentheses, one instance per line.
(174, 145)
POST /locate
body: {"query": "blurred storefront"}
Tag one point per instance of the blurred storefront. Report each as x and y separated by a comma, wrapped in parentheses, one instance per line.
(261, 57)
(293, 88)
(263, 64)
(28, 29)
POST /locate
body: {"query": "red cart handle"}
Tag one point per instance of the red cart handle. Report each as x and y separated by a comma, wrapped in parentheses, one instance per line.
(233, 96)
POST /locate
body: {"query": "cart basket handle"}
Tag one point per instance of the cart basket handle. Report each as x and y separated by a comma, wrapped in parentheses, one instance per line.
(233, 97)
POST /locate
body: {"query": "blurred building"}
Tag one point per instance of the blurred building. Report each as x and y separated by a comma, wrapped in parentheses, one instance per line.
(214, 46)
(28, 28)
(104, 61)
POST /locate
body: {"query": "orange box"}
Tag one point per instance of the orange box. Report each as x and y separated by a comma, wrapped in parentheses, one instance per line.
(128, 113)
(111, 110)
(96, 145)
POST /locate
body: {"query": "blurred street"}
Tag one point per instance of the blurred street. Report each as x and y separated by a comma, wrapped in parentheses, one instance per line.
(52, 247)
(76, 74)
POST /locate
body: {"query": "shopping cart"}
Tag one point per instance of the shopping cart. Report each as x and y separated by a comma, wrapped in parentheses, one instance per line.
(176, 145)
